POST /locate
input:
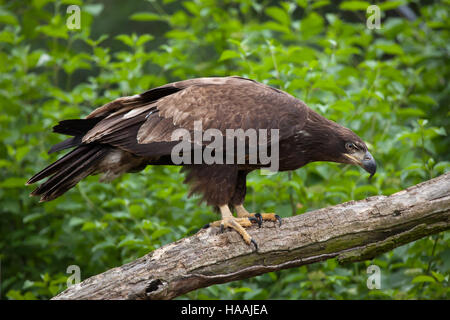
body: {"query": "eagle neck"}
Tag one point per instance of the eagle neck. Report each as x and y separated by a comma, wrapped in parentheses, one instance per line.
(318, 139)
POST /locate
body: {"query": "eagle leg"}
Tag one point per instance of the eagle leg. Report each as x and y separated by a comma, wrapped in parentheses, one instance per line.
(243, 213)
(238, 224)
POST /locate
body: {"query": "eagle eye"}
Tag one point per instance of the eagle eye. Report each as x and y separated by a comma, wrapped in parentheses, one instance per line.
(350, 146)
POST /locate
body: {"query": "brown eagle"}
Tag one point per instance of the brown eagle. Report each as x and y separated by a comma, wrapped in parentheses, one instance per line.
(129, 133)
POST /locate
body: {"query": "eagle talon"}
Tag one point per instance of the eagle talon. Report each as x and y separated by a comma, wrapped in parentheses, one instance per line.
(279, 219)
(259, 219)
(253, 219)
(255, 244)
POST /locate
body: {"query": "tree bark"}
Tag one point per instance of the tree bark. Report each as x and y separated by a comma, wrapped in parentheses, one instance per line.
(352, 231)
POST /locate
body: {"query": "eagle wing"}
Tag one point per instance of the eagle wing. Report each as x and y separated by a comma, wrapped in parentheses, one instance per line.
(144, 123)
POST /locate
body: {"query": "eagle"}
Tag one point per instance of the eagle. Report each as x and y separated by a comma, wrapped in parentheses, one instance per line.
(132, 132)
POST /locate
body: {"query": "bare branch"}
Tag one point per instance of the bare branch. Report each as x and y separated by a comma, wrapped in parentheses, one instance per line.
(352, 231)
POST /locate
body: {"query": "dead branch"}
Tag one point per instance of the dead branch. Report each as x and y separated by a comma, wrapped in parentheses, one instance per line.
(352, 231)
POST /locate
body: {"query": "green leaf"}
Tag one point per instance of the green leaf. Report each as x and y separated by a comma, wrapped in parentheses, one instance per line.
(146, 16)
(92, 225)
(229, 54)
(16, 295)
(118, 215)
(180, 35)
(143, 39)
(271, 25)
(442, 166)
(136, 211)
(130, 240)
(366, 190)
(145, 224)
(279, 15)
(75, 221)
(329, 86)
(7, 17)
(411, 112)
(94, 43)
(389, 5)
(192, 7)
(5, 163)
(343, 105)
(38, 4)
(103, 245)
(312, 25)
(54, 31)
(319, 3)
(93, 9)
(7, 36)
(126, 39)
(160, 232)
(439, 277)
(240, 290)
(390, 48)
(422, 99)
(354, 5)
(13, 182)
(423, 278)
(33, 217)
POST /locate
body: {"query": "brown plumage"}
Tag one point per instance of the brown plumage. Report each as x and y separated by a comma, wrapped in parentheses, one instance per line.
(130, 133)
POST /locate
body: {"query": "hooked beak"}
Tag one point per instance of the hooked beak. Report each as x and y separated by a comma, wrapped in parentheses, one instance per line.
(369, 164)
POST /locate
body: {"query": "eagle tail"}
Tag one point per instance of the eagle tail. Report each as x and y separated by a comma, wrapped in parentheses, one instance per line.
(66, 172)
(73, 127)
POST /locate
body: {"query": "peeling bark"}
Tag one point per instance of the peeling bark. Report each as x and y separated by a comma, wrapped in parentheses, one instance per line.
(352, 231)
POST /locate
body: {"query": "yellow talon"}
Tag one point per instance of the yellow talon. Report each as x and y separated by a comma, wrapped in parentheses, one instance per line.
(238, 224)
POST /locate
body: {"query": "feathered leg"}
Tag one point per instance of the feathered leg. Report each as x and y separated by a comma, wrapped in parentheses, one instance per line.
(238, 199)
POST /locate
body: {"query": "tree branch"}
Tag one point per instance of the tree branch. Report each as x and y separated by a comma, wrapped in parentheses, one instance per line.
(352, 231)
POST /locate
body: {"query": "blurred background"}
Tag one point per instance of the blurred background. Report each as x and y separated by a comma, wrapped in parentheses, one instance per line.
(388, 83)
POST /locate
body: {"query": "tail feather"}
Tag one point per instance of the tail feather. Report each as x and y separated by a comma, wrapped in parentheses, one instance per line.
(73, 127)
(57, 165)
(68, 171)
(66, 144)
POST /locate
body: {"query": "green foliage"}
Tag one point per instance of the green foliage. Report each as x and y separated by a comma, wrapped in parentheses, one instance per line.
(389, 85)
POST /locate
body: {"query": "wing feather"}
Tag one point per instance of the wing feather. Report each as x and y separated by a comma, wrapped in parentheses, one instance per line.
(219, 103)
(234, 104)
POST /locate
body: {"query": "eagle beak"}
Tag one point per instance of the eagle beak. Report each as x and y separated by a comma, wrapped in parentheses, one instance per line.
(369, 164)
(366, 161)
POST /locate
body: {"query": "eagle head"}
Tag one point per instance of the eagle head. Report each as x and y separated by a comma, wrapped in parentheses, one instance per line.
(330, 141)
(355, 152)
